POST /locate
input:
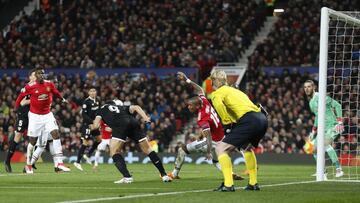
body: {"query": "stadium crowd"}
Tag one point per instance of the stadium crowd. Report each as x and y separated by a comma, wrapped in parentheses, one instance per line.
(299, 24)
(162, 99)
(140, 33)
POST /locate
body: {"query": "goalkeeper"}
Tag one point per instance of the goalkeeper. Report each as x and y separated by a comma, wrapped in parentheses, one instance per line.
(333, 123)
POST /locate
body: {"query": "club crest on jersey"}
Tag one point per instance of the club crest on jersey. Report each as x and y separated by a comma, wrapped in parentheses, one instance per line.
(48, 89)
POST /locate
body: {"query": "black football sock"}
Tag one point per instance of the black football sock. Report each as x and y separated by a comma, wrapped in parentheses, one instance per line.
(121, 165)
(80, 153)
(157, 162)
(93, 148)
(11, 151)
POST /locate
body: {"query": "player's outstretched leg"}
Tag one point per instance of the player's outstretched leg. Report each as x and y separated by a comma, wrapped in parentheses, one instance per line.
(97, 157)
(145, 147)
(115, 146)
(94, 146)
(335, 161)
(11, 151)
(180, 158)
(29, 151)
(58, 155)
(226, 167)
(84, 145)
(251, 167)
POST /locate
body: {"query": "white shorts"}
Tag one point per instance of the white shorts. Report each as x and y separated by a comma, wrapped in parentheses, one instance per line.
(103, 144)
(201, 146)
(41, 125)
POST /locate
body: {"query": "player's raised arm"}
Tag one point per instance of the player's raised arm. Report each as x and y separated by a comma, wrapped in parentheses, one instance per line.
(140, 111)
(198, 90)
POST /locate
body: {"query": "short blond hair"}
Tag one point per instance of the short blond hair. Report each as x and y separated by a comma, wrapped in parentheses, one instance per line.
(219, 78)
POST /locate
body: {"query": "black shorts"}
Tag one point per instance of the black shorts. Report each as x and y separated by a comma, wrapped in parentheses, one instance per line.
(22, 123)
(130, 130)
(93, 133)
(250, 129)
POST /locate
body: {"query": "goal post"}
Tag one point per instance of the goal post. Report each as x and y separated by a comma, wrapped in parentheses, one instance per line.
(338, 64)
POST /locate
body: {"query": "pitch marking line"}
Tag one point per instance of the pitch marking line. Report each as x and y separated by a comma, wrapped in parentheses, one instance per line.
(173, 193)
(80, 187)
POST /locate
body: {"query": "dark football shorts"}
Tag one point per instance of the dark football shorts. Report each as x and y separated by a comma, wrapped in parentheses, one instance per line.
(22, 123)
(249, 129)
(92, 134)
(130, 130)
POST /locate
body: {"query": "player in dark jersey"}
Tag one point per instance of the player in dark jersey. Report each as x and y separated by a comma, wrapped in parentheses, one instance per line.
(22, 121)
(89, 108)
(123, 124)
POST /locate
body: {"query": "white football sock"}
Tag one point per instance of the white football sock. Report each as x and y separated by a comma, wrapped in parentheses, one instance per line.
(37, 154)
(58, 155)
(97, 157)
(52, 152)
(179, 161)
(29, 152)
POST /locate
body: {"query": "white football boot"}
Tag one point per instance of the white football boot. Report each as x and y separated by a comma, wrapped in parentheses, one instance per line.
(78, 166)
(124, 180)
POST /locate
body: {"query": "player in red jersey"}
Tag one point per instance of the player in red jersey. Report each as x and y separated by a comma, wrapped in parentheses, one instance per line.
(41, 119)
(212, 131)
(106, 132)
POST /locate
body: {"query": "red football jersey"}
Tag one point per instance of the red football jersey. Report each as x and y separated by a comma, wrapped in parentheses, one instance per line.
(106, 131)
(208, 118)
(41, 96)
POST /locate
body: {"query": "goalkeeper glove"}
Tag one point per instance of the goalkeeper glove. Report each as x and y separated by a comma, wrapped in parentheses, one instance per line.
(312, 135)
(339, 127)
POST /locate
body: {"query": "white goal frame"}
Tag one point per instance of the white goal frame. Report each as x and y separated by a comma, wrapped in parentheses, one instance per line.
(323, 66)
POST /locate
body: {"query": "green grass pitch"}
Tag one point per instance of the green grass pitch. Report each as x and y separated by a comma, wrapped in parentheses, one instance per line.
(195, 186)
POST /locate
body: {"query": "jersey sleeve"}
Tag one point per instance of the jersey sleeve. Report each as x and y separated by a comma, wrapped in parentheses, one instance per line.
(55, 91)
(334, 104)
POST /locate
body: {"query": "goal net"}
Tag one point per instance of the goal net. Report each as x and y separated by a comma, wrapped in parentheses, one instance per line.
(339, 79)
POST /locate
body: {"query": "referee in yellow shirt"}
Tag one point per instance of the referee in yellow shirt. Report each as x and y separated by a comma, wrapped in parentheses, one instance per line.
(244, 124)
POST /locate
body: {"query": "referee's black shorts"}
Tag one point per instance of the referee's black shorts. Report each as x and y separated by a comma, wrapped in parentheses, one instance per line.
(249, 129)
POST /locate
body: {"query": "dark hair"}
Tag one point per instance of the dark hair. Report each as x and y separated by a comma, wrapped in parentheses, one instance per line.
(32, 70)
(195, 99)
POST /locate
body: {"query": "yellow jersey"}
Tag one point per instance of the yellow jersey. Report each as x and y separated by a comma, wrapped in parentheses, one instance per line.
(231, 104)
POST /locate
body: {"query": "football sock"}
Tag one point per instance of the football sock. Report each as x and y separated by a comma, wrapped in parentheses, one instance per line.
(52, 152)
(216, 164)
(250, 162)
(93, 148)
(157, 162)
(333, 156)
(58, 155)
(97, 157)
(121, 165)
(80, 153)
(36, 155)
(11, 151)
(226, 167)
(179, 161)
(29, 152)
